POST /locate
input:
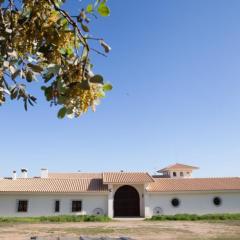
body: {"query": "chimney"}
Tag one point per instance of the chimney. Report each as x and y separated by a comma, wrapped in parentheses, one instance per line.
(24, 173)
(14, 176)
(44, 173)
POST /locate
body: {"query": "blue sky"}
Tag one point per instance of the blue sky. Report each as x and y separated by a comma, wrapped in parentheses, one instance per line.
(175, 68)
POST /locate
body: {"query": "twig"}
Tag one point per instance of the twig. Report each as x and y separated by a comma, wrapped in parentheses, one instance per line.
(93, 38)
(76, 28)
(98, 52)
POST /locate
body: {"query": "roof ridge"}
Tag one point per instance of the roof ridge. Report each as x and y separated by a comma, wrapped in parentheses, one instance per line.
(176, 165)
(73, 172)
(194, 184)
(126, 172)
(196, 178)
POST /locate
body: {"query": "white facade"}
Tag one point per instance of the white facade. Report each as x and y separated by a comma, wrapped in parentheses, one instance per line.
(193, 203)
(44, 204)
(178, 173)
(190, 202)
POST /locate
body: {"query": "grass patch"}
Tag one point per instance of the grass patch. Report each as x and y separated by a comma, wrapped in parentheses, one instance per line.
(195, 217)
(60, 218)
(91, 231)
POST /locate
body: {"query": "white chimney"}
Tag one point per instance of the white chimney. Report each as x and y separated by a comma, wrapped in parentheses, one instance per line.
(14, 176)
(24, 173)
(44, 173)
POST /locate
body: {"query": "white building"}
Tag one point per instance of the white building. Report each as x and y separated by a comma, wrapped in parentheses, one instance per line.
(118, 194)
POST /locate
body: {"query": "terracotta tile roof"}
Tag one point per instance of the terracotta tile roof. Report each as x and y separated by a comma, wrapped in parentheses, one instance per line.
(194, 184)
(78, 185)
(126, 177)
(75, 175)
(52, 185)
(177, 166)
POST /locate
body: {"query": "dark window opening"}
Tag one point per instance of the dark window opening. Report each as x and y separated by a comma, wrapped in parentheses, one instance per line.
(174, 174)
(217, 201)
(57, 206)
(22, 206)
(76, 206)
(175, 202)
(181, 174)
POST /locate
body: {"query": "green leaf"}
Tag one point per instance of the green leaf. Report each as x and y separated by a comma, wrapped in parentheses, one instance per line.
(14, 93)
(105, 46)
(84, 27)
(103, 9)
(107, 87)
(60, 85)
(48, 76)
(14, 75)
(29, 76)
(53, 68)
(61, 99)
(62, 112)
(84, 85)
(64, 22)
(35, 68)
(69, 51)
(62, 51)
(96, 79)
(48, 91)
(89, 8)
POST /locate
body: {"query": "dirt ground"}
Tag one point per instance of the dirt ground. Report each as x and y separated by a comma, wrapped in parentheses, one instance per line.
(174, 230)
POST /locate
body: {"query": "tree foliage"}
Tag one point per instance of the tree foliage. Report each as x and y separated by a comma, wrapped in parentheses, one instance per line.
(40, 40)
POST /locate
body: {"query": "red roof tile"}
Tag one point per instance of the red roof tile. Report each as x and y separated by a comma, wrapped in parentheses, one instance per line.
(126, 177)
(193, 184)
(74, 175)
(177, 166)
(52, 185)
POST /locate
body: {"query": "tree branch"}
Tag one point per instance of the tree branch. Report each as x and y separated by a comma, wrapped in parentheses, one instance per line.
(72, 22)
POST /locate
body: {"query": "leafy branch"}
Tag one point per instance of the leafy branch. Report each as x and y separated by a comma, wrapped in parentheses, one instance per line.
(40, 40)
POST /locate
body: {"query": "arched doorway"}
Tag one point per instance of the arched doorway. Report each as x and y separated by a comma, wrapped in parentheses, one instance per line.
(126, 202)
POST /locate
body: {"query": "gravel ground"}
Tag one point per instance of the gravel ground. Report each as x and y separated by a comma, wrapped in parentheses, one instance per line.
(137, 230)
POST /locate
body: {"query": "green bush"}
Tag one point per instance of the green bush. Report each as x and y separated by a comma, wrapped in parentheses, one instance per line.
(194, 217)
(60, 218)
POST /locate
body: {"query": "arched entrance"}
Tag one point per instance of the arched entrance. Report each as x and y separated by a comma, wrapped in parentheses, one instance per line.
(126, 202)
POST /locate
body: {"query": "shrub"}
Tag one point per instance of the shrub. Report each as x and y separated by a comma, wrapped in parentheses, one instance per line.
(194, 217)
(60, 218)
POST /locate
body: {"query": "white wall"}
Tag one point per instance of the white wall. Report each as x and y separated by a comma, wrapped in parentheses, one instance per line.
(195, 203)
(43, 205)
(198, 203)
(185, 173)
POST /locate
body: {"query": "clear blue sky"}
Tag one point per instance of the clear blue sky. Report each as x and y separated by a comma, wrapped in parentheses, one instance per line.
(175, 67)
